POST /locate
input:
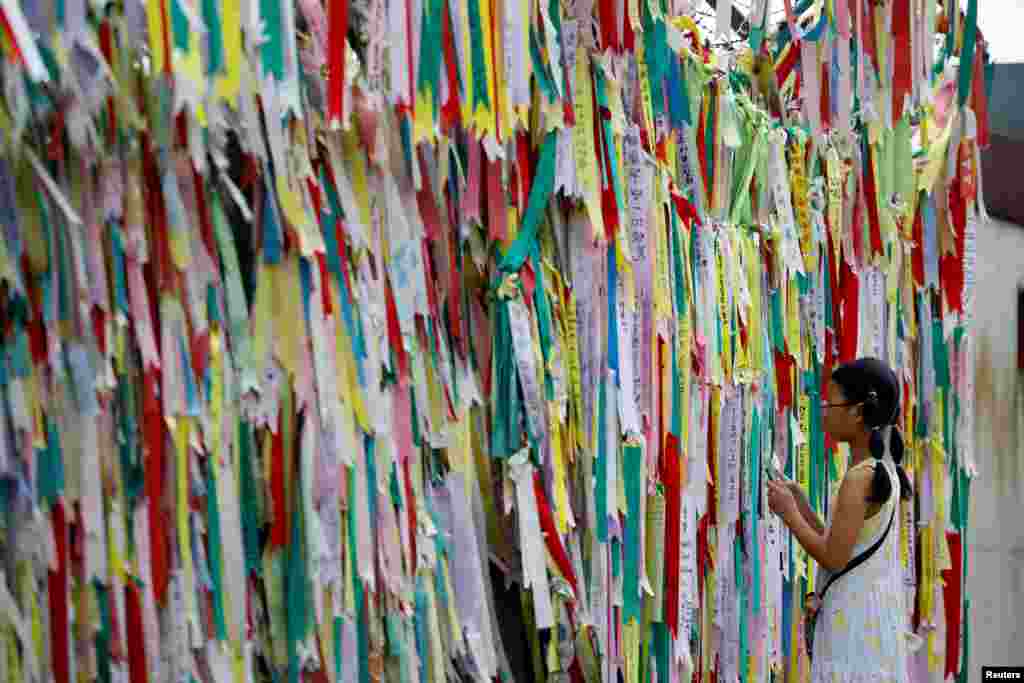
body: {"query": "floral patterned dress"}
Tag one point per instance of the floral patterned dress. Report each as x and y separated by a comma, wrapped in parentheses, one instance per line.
(861, 630)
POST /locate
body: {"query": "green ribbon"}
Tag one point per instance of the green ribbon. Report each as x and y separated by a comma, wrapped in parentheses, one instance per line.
(544, 320)
(682, 310)
(132, 470)
(430, 48)
(339, 626)
(754, 458)
(744, 607)
(363, 632)
(966, 74)
(476, 41)
(965, 666)
(662, 649)
(632, 465)
(50, 466)
(819, 490)
(540, 69)
(657, 55)
(179, 26)
(741, 188)
(941, 355)
(601, 465)
(103, 638)
(272, 50)
(215, 44)
(778, 341)
(540, 194)
(250, 497)
(608, 137)
(506, 437)
(216, 552)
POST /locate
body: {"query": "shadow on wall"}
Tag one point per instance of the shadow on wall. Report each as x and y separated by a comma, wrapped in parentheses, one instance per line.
(999, 420)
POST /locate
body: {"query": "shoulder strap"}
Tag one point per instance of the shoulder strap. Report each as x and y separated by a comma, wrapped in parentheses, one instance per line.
(863, 557)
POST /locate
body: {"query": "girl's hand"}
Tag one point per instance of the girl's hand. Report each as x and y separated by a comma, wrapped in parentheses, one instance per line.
(781, 500)
(794, 487)
(811, 605)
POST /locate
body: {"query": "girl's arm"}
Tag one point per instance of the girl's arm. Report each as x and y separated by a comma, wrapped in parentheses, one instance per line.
(834, 549)
(809, 515)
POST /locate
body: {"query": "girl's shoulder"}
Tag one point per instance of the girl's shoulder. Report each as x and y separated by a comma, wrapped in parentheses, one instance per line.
(863, 466)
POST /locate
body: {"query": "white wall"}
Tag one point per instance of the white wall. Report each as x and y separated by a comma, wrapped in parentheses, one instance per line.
(995, 581)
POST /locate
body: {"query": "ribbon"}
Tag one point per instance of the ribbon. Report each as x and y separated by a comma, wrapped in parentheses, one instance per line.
(902, 84)
(967, 56)
(57, 587)
(337, 12)
(952, 588)
(979, 103)
(540, 193)
(673, 478)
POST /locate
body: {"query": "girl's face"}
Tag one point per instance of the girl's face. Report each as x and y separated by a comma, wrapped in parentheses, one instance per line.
(841, 419)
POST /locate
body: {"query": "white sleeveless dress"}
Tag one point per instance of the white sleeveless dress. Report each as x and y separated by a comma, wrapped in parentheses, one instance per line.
(861, 630)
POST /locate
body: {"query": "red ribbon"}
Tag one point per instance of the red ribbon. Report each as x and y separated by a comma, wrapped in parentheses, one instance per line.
(672, 478)
(99, 329)
(551, 538)
(279, 525)
(868, 39)
(156, 216)
(410, 507)
(628, 37)
(427, 204)
(525, 166)
(137, 672)
(325, 284)
(951, 267)
(454, 295)
(903, 80)
(205, 224)
(917, 255)
(609, 30)
(784, 379)
(979, 103)
(337, 15)
(431, 283)
(702, 154)
(833, 273)
(451, 113)
(826, 96)
(951, 579)
(10, 36)
(395, 335)
(107, 48)
(785, 67)
(871, 197)
(497, 212)
(153, 427)
(57, 583)
(609, 205)
(685, 209)
(851, 305)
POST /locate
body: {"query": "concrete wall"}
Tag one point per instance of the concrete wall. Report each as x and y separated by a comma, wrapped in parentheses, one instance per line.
(995, 579)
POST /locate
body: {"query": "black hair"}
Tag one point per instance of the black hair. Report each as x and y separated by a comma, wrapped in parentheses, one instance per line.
(873, 385)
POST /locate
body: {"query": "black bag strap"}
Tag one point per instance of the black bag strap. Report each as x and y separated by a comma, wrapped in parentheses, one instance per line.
(860, 559)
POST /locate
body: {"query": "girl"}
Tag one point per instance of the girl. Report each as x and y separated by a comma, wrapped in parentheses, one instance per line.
(861, 622)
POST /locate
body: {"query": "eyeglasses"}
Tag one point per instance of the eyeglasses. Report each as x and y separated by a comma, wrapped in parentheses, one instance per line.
(826, 404)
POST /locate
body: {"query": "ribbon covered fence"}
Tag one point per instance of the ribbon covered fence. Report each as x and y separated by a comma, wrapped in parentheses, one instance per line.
(428, 340)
